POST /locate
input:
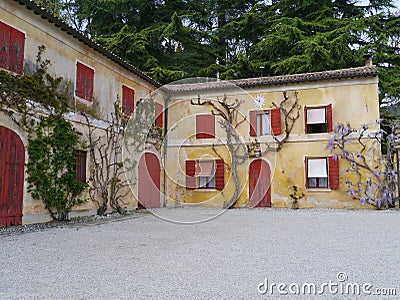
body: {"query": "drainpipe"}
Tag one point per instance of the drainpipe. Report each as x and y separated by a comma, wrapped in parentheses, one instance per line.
(165, 146)
(398, 175)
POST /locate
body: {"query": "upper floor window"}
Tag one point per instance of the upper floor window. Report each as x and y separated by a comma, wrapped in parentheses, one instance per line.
(12, 45)
(205, 126)
(84, 82)
(322, 172)
(318, 119)
(128, 100)
(264, 122)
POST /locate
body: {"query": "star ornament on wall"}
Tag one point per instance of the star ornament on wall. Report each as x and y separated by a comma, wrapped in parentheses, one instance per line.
(259, 101)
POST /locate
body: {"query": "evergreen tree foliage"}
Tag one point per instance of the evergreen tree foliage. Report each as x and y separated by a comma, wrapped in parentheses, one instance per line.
(174, 39)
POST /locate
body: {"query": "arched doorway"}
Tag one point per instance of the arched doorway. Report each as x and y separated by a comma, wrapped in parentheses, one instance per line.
(259, 184)
(12, 160)
(149, 181)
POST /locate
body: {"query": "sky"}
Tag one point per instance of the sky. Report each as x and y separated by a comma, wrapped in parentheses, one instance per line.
(395, 2)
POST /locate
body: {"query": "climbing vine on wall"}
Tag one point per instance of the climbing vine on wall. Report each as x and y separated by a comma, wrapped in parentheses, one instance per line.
(108, 185)
(21, 96)
(51, 166)
(36, 102)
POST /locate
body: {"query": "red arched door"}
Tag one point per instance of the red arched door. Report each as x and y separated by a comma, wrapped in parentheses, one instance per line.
(12, 159)
(259, 184)
(149, 181)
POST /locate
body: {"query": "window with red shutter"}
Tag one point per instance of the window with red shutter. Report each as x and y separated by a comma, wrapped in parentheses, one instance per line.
(159, 115)
(128, 100)
(276, 121)
(253, 123)
(265, 122)
(333, 173)
(317, 173)
(329, 117)
(84, 82)
(205, 174)
(12, 45)
(190, 171)
(318, 119)
(205, 126)
(219, 174)
(80, 157)
(5, 35)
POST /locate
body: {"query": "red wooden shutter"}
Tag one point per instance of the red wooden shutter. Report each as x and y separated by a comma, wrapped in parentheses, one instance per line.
(219, 174)
(12, 159)
(276, 121)
(159, 115)
(128, 100)
(253, 123)
(190, 170)
(306, 171)
(79, 80)
(12, 45)
(125, 100)
(329, 117)
(84, 82)
(89, 81)
(333, 165)
(205, 126)
(305, 119)
(80, 157)
(5, 36)
(17, 51)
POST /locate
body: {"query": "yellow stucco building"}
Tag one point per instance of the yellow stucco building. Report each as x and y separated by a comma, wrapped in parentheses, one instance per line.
(97, 78)
(274, 129)
(198, 150)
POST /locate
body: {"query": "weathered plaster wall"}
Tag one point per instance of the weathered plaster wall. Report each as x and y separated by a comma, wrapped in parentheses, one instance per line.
(354, 101)
(64, 51)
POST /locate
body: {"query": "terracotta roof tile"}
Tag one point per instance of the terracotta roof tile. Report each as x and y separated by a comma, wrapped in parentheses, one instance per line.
(275, 80)
(31, 5)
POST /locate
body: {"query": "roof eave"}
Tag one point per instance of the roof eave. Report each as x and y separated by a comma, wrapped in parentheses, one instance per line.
(76, 34)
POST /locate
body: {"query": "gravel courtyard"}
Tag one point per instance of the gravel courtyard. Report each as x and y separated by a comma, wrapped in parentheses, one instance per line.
(227, 257)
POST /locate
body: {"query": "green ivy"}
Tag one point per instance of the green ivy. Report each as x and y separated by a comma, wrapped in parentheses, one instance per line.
(39, 87)
(51, 166)
(36, 102)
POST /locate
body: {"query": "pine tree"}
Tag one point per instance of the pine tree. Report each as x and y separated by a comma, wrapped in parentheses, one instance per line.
(175, 39)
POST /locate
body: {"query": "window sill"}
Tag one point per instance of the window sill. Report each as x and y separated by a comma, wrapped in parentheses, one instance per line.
(315, 133)
(206, 190)
(12, 72)
(126, 116)
(83, 100)
(318, 190)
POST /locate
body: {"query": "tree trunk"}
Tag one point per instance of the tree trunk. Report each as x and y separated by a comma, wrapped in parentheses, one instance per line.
(101, 211)
(63, 215)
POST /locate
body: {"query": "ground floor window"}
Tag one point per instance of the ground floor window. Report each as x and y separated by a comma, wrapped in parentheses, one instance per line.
(80, 157)
(205, 174)
(317, 172)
